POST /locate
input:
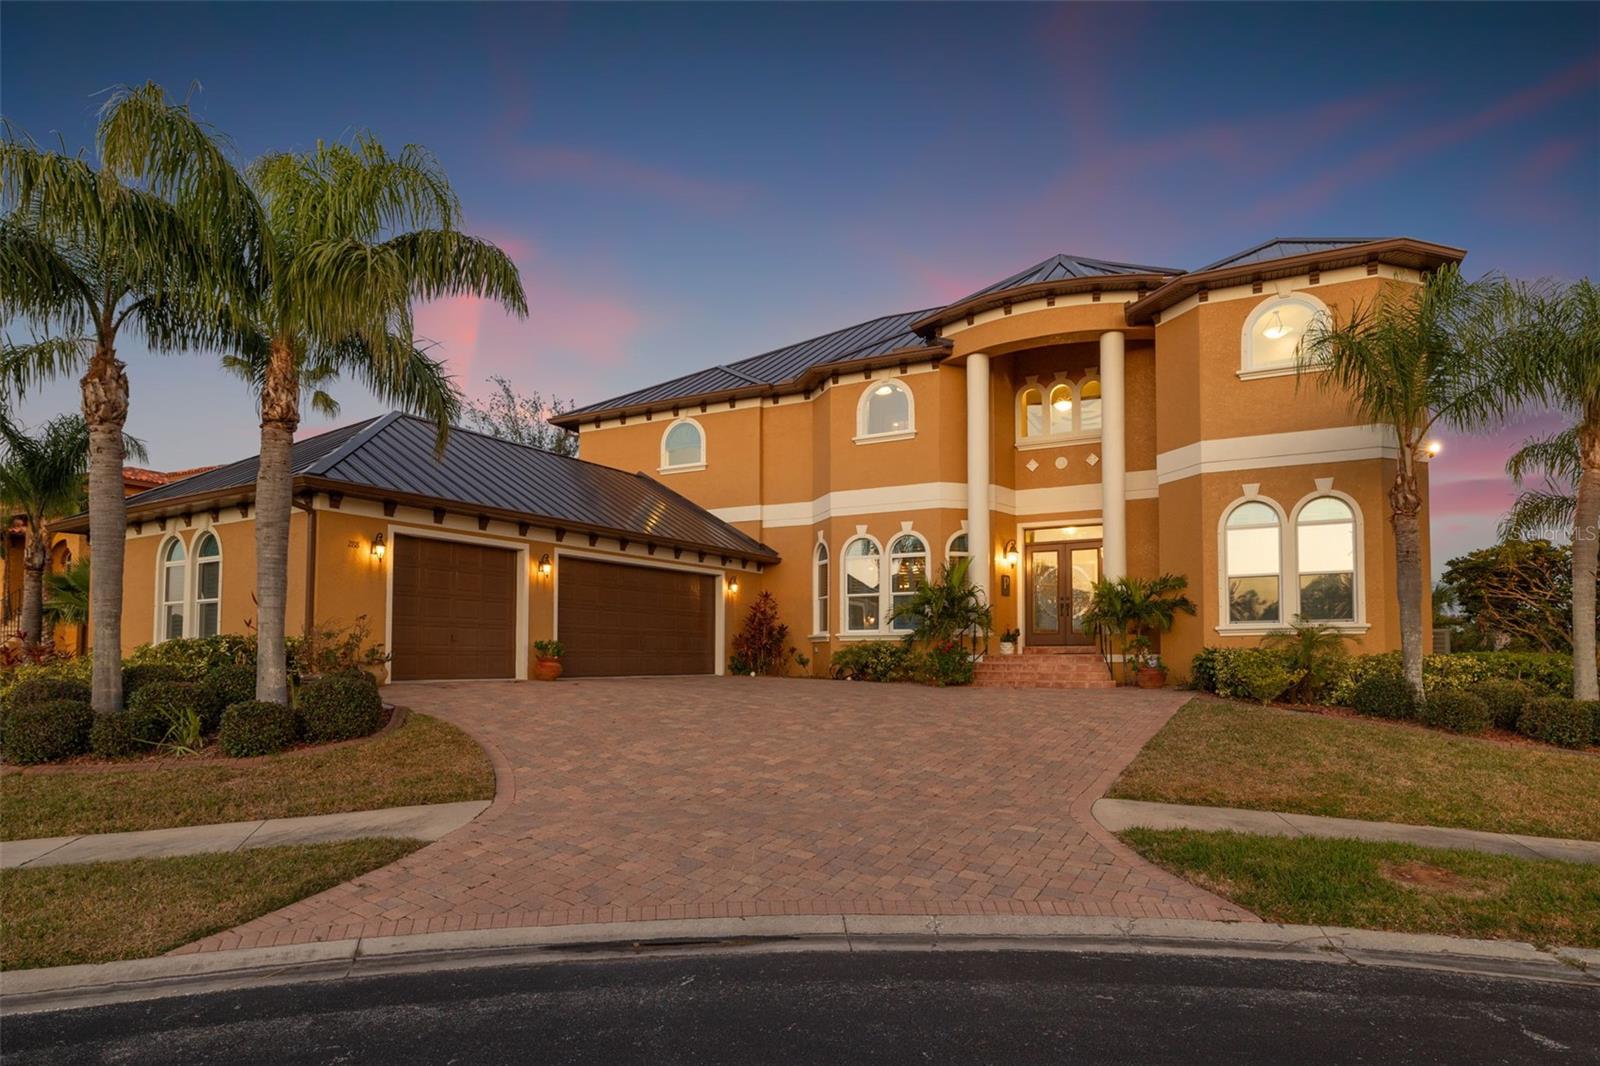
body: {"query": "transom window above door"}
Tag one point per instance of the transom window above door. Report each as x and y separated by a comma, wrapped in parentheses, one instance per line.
(1059, 410)
(1055, 533)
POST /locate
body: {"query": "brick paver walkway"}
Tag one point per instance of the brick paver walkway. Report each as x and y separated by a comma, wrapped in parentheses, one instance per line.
(715, 797)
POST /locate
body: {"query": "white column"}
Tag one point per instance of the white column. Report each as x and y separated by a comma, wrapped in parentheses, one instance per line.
(1113, 455)
(978, 470)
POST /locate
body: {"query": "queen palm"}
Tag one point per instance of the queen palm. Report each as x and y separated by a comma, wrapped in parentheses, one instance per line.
(356, 234)
(90, 253)
(1416, 357)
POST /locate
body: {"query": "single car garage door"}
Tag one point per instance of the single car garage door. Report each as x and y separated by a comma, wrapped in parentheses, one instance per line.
(617, 620)
(455, 610)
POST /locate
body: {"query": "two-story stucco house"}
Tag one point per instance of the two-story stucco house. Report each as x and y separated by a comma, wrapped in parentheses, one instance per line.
(1078, 419)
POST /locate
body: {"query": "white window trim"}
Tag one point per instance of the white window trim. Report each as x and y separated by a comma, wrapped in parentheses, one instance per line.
(682, 468)
(1248, 371)
(819, 612)
(159, 629)
(952, 556)
(1224, 625)
(844, 586)
(1289, 568)
(1045, 388)
(862, 436)
(1358, 584)
(888, 587)
(195, 601)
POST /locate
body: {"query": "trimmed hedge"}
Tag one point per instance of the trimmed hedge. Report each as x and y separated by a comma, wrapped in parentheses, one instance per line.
(125, 733)
(168, 700)
(1257, 674)
(1384, 696)
(1455, 709)
(340, 706)
(1558, 720)
(139, 675)
(1505, 700)
(227, 685)
(1594, 716)
(1545, 673)
(257, 728)
(45, 731)
(47, 689)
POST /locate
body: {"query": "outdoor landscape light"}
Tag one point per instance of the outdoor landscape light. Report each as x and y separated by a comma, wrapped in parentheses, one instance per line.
(378, 548)
(1277, 329)
(544, 565)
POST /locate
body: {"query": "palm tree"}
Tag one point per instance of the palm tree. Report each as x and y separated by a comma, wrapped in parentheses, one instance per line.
(1416, 357)
(66, 599)
(89, 253)
(946, 609)
(1130, 608)
(42, 477)
(1555, 361)
(356, 234)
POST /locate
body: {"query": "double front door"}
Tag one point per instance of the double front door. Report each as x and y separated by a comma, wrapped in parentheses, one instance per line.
(1060, 581)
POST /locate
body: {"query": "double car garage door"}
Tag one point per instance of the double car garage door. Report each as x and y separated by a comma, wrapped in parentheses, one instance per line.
(455, 615)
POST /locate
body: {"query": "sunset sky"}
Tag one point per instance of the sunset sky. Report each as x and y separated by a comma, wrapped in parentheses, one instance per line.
(683, 186)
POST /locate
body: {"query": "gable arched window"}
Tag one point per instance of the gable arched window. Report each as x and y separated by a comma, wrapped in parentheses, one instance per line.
(908, 571)
(863, 586)
(172, 579)
(1325, 560)
(683, 446)
(958, 548)
(1274, 331)
(208, 587)
(886, 412)
(1061, 410)
(1061, 406)
(819, 585)
(1089, 406)
(1031, 419)
(1252, 546)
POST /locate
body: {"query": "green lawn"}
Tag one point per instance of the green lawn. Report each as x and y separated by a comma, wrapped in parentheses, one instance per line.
(1397, 887)
(1263, 758)
(424, 761)
(62, 915)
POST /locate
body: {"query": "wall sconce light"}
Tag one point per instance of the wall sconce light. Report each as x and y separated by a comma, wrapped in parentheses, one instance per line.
(379, 549)
(1433, 449)
(1011, 554)
(733, 585)
(544, 565)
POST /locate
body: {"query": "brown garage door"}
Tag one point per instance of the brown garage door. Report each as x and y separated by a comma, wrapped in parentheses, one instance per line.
(617, 620)
(455, 610)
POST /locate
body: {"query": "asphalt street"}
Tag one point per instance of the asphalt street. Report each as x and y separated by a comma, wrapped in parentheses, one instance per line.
(867, 1007)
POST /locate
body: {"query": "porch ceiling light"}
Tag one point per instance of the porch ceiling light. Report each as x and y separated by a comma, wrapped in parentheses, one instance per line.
(379, 549)
(884, 390)
(1063, 405)
(1277, 329)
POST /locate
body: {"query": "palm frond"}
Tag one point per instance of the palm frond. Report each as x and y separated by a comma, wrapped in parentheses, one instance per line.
(402, 376)
(1554, 458)
(449, 263)
(23, 367)
(1538, 513)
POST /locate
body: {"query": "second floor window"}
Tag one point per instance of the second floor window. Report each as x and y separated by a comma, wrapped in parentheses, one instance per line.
(1064, 410)
(885, 411)
(683, 446)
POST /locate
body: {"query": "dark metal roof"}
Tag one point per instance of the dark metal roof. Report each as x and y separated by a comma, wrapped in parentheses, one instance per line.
(780, 366)
(1066, 268)
(1284, 247)
(394, 455)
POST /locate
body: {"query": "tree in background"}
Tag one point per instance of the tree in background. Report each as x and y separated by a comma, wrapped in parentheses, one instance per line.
(88, 252)
(1416, 357)
(523, 417)
(1516, 594)
(66, 599)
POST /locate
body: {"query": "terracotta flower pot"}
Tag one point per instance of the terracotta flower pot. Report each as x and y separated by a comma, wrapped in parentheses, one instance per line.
(547, 669)
(1151, 677)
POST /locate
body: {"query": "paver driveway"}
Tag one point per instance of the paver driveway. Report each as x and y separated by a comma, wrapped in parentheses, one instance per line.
(714, 797)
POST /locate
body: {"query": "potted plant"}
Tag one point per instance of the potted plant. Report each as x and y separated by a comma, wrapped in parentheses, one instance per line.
(1008, 641)
(547, 654)
(1129, 610)
(1148, 669)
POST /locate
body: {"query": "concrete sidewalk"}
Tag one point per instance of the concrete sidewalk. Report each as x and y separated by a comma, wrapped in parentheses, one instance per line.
(1117, 815)
(422, 822)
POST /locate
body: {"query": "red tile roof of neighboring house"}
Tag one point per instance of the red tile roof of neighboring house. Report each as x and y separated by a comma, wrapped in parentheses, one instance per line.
(139, 477)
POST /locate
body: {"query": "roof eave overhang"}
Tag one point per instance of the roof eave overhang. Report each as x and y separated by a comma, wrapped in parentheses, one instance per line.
(1402, 251)
(929, 325)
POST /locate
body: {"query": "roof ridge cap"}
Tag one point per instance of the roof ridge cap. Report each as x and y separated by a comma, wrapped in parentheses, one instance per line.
(357, 440)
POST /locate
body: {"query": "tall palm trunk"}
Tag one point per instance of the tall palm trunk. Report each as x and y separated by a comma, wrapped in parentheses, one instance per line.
(105, 409)
(35, 557)
(280, 417)
(1585, 550)
(1405, 504)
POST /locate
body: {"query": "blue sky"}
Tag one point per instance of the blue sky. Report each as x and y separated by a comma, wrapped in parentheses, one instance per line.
(685, 185)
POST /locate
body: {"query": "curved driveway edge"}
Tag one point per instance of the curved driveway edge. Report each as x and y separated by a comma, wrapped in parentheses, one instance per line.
(67, 987)
(673, 798)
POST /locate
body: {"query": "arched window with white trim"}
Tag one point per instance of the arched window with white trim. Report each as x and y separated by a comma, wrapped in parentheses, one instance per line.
(1032, 422)
(208, 586)
(1059, 410)
(1061, 405)
(1089, 414)
(958, 548)
(1325, 560)
(819, 583)
(1253, 563)
(683, 446)
(886, 411)
(863, 586)
(1274, 331)
(173, 580)
(908, 571)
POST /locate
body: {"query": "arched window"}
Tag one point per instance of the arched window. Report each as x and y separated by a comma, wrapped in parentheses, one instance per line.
(1089, 406)
(863, 586)
(1252, 548)
(908, 571)
(957, 548)
(1061, 410)
(885, 411)
(208, 587)
(1031, 421)
(1274, 331)
(819, 582)
(1325, 560)
(174, 582)
(683, 445)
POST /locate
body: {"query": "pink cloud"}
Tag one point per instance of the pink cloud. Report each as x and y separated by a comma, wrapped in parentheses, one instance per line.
(588, 167)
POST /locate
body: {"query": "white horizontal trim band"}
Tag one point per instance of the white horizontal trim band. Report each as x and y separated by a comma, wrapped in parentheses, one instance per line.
(1301, 448)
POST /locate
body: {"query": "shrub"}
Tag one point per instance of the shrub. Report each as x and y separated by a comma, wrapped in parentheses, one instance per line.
(45, 731)
(1384, 696)
(948, 663)
(1594, 717)
(226, 685)
(760, 642)
(76, 669)
(194, 657)
(46, 690)
(340, 706)
(257, 728)
(1546, 674)
(1203, 669)
(125, 733)
(1317, 651)
(188, 711)
(1457, 710)
(1558, 720)
(1254, 674)
(874, 660)
(1505, 700)
(139, 675)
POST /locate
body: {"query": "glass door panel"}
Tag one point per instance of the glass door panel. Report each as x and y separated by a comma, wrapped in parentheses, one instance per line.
(1085, 572)
(1044, 585)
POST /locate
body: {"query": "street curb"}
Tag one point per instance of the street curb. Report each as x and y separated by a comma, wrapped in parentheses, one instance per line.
(65, 987)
